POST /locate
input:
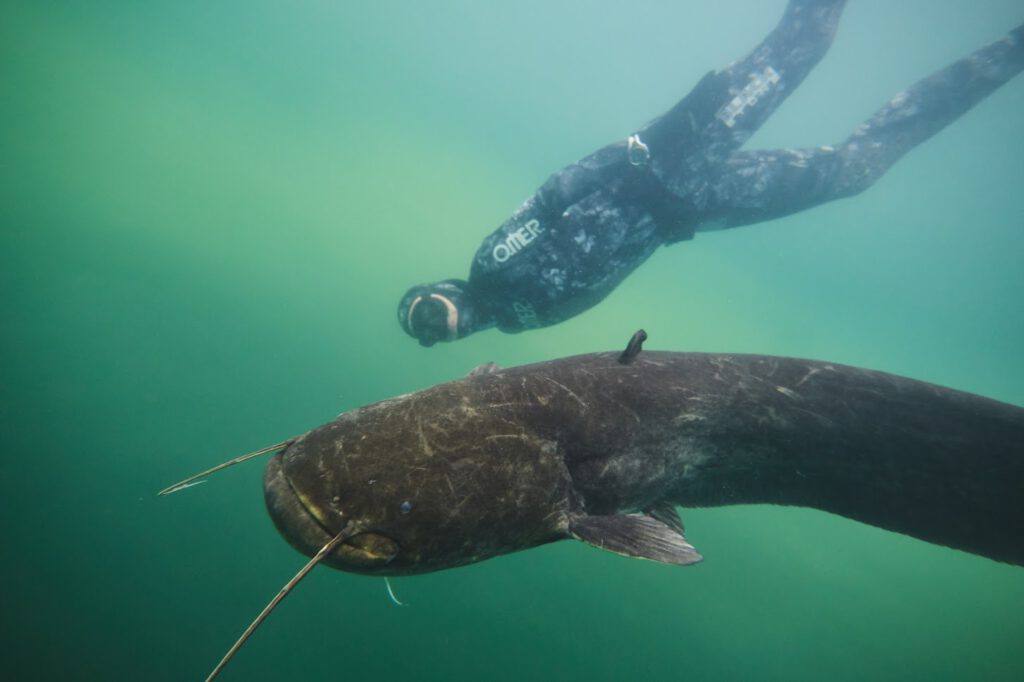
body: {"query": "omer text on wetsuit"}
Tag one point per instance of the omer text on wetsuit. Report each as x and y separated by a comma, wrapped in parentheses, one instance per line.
(517, 240)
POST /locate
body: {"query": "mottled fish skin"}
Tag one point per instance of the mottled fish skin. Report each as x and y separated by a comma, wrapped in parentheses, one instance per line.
(507, 460)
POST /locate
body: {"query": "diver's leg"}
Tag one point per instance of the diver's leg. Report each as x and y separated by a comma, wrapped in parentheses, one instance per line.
(760, 185)
(727, 106)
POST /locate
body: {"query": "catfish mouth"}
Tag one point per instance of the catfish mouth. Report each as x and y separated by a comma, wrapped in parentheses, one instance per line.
(306, 528)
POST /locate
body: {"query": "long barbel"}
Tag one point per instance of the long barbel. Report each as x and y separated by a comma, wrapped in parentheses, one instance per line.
(324, 551)
(188, 482)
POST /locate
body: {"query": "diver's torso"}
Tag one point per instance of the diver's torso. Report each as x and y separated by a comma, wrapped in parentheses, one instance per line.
(537, 270)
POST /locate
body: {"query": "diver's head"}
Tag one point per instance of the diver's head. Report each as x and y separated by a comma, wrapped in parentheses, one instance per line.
(442, 311)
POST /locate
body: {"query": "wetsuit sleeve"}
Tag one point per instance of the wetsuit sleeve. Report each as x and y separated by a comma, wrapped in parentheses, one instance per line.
(574, 182)
(760, 185)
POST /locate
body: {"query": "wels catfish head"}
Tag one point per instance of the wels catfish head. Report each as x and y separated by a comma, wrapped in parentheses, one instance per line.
(424, 482)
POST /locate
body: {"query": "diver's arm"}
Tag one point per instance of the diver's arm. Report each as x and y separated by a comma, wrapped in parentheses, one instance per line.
(574, 182)
(761, 185)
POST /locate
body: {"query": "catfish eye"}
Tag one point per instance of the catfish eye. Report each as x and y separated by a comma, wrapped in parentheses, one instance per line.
(405, 507)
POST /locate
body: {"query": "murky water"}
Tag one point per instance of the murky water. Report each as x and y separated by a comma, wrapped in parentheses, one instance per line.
(210, 212)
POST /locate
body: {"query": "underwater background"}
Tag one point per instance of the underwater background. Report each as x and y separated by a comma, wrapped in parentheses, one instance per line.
(209, 211)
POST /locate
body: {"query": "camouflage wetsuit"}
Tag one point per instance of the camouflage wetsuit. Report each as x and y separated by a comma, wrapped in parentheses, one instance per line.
(571, 243)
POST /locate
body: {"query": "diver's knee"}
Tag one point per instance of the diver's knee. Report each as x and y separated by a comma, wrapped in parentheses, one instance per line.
(858, 169)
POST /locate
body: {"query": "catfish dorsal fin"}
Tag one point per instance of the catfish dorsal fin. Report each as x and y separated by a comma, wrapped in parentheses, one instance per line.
(633, 348)
(635, 535)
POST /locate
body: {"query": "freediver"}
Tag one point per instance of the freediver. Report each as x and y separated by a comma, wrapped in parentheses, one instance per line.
(593, 222)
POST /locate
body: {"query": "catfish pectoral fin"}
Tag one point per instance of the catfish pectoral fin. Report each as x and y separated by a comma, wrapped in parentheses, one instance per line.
(667, 513)
(635, 535)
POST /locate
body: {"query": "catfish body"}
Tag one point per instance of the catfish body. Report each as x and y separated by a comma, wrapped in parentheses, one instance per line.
(592, 448)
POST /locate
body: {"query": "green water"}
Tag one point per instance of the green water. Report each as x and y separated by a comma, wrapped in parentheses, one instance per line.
(210, 210)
